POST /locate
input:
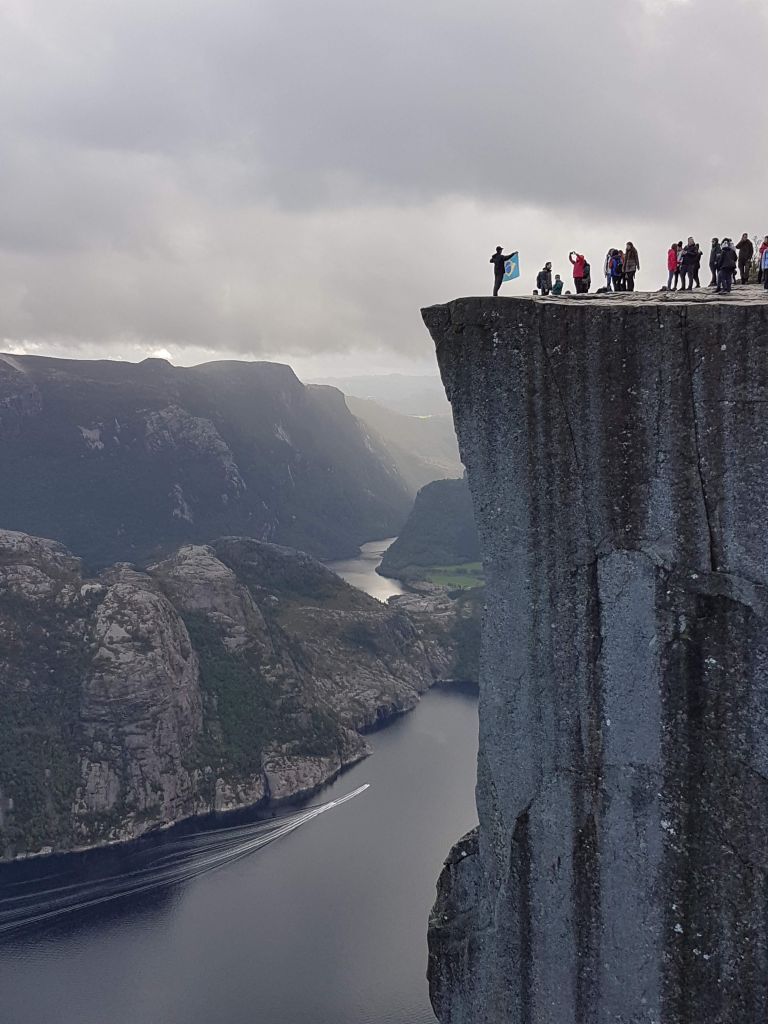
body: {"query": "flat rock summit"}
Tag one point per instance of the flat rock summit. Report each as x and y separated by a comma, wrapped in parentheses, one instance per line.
(616, 449)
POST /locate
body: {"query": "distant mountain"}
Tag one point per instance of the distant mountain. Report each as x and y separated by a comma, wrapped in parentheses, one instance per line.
(413, 395)
(440, 531)
(226, 674)
(423, 448)
(125, 461)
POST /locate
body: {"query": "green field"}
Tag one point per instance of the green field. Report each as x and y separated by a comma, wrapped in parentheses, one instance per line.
(455, 577)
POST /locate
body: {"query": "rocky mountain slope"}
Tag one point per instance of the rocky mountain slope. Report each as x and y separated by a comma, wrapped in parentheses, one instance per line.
(439, 531)
(123, 461)
(617, 455)
(223, 675)
(423, 448)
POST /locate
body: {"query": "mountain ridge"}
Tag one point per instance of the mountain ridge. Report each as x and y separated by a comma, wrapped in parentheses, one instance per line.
(128, 460)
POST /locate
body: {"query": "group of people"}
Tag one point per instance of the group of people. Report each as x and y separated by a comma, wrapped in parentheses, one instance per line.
(545, 284)
(620, 268)
(726, 261)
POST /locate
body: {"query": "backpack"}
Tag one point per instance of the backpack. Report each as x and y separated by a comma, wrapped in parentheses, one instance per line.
(587, 269)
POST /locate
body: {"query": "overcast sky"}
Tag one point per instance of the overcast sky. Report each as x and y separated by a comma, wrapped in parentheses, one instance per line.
(293, 180)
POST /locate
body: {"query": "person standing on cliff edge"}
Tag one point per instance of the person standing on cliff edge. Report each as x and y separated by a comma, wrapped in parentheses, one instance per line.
(579, 263)
(746, 251)
(726, 266)
(498, 260)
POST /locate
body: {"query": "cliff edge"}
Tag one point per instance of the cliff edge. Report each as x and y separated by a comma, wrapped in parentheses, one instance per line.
(617, 454)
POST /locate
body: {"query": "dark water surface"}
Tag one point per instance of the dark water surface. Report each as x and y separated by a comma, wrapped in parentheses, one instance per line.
(325, 926)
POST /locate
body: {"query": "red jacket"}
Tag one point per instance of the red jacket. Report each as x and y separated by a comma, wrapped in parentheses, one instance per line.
(578, 266)
(672, 259)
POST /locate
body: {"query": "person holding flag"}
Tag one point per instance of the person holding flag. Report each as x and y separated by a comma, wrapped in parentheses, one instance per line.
(502, 272)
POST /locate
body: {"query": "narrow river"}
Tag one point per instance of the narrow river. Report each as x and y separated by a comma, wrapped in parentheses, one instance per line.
(361, 571)
(325, 926)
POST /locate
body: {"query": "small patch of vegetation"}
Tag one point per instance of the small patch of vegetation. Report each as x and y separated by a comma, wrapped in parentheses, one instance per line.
(246, 712)
(41, 670)
(455, 577)
(362, 634)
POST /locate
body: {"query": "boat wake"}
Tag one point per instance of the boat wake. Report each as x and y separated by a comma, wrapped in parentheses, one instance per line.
(181, 860)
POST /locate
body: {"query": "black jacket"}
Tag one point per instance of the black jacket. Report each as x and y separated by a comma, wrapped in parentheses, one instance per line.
(544, 280)
(691, 257)
(727, 259)
(498, 260)
(746, 250)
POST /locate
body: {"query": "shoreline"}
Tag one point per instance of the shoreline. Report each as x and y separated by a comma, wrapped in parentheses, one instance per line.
(260, 810)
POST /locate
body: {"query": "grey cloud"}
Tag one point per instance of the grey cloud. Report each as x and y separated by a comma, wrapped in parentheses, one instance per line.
(255, 175)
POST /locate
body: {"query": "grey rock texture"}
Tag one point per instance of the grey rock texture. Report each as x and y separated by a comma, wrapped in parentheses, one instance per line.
(225, 675)
(617, 455)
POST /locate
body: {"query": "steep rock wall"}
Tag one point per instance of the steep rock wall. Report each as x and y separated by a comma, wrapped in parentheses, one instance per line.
(617, 455)
(223, 676)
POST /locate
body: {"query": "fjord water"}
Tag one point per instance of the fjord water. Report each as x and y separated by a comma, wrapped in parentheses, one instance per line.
(361, 571)
(325, 926)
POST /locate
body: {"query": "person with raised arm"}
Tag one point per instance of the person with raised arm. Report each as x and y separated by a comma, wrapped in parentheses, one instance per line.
(579, 262)
(498, 260)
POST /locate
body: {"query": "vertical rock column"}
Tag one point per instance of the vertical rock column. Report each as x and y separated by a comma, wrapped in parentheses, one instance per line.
(617, 455)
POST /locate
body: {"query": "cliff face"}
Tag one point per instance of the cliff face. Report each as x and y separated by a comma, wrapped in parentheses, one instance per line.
(169, 455)
(617, 455)
(224, 675)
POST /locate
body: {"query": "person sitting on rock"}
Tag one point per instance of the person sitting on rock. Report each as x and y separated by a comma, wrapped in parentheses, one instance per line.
(557, 287)
(544, 279)
(498, 260)
(746, 251)
(726, 266)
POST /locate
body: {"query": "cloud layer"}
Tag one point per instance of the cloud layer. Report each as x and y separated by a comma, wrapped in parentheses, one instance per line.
(254, 177)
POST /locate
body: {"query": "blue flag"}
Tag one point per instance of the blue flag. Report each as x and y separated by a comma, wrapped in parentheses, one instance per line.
(512, 267)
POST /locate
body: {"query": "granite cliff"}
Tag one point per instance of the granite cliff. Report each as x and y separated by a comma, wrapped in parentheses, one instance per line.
(126, 461)
(226, 674)
(617, 456)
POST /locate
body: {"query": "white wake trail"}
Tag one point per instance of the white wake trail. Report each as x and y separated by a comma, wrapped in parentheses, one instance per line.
(187, 859)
